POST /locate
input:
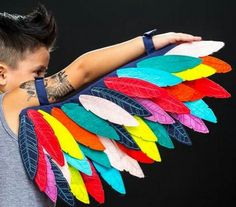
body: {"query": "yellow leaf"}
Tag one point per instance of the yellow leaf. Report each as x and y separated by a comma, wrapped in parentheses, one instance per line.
(148, 147)
(77, 186)
(65, 138)
(197, 72)
(142, 131)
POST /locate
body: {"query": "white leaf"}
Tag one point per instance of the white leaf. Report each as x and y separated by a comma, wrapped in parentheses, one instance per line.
(119, 159)
(196, 48)
(107, 110)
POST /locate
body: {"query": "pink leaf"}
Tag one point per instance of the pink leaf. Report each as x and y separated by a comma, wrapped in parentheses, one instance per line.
(158, 114)
(51, 189)
(192, 122)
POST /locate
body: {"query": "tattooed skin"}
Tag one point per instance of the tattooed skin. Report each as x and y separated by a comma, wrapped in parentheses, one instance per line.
(56, 86)
(30, 88)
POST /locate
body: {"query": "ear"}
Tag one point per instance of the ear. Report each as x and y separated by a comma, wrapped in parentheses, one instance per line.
(3, 75)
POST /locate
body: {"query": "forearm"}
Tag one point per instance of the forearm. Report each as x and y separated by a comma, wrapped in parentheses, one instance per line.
(104, 60)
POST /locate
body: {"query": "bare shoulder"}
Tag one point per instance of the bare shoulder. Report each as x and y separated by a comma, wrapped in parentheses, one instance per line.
(57, 86)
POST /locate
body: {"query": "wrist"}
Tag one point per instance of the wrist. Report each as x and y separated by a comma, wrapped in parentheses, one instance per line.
(141, 44)
(137, 44)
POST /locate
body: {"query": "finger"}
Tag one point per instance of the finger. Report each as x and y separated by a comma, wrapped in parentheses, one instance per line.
(185, 34)
(187, 37)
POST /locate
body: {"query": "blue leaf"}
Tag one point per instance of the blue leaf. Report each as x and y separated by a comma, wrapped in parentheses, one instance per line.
(124, 101)
(178, 132)
(63, 187)
(81, 165)
(125, 137)
(200, 109)
(28, 146)
(112, 177)
(160, 78)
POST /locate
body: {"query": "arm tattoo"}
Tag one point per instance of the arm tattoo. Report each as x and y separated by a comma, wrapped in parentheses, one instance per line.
(30, 88)
(56, 86)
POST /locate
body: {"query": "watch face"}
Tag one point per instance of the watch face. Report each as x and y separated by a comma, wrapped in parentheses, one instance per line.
(150, 33)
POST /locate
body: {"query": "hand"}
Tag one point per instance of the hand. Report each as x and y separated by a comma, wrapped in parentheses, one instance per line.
(162, 40)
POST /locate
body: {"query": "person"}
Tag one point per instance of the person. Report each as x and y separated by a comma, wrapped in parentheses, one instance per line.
(26, 42)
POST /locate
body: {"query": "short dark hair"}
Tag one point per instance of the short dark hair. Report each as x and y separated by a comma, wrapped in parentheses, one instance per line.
(19, 33)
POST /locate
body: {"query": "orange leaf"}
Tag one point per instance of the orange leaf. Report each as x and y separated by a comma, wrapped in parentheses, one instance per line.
(80, 134)
(216, 63)
(184, 93)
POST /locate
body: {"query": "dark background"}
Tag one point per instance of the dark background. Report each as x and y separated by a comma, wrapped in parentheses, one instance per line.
(201, 175)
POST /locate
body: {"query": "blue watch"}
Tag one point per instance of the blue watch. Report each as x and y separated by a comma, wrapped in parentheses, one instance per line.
(41, 91)
(147, 40)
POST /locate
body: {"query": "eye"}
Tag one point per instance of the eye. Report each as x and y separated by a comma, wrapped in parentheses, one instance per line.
(41, 72)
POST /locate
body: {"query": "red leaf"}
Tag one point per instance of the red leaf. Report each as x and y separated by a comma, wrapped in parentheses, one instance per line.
(171, 104)
(142, 89)
(94, 185)
(136, 154)
(208, 88)
(134, 87)
(41, 174)
(46, 136)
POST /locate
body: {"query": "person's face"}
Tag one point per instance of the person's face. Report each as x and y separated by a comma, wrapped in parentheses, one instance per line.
(33, 65)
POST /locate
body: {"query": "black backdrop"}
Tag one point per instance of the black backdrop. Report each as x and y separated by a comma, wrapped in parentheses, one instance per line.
(201, 175)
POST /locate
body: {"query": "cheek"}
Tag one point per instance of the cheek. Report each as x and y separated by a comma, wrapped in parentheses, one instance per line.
(20, 77)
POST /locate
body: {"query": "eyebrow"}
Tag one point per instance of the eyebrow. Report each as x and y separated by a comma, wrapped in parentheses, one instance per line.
(41, 67)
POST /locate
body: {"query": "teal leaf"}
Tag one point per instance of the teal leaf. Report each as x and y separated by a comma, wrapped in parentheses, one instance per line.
(89, 121)
(170, 63)
(161, 133)
(97, 156)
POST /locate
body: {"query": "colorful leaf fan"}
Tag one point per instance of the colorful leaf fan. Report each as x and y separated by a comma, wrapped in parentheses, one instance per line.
(120, 121)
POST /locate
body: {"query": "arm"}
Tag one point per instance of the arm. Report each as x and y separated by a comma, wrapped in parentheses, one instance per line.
(99, 62)
(88, 67)
(83, 70)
